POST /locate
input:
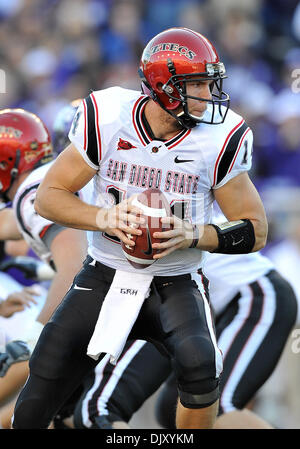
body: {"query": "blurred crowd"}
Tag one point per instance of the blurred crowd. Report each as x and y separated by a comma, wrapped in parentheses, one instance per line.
(55, 51)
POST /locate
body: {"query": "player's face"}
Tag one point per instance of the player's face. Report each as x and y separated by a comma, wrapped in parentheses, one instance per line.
(200, 89)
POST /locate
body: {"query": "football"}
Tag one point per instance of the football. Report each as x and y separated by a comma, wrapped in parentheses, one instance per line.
(154, 205)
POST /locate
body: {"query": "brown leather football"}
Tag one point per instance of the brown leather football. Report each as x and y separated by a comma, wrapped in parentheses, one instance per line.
(155, 206)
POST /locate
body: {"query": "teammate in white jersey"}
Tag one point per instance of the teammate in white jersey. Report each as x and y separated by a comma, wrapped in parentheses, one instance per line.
(25, 155)
(255, 311)
(196, 150)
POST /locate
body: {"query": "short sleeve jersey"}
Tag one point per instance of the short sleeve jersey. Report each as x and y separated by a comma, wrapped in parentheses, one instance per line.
(32, 226)
(109, 133)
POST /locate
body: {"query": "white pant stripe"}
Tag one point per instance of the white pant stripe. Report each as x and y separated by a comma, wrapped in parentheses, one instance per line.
(218, 355)
(116, 375)
(98, 378)
(111, 384)
(254, 341)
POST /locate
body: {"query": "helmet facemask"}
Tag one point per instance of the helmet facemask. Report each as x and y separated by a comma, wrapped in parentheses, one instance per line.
(13, 174)
(175, 89)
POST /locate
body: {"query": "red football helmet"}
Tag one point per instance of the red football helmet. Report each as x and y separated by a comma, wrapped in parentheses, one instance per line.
(172, 59)
(25, 144)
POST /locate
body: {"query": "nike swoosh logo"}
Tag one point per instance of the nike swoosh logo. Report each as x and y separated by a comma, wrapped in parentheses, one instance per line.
(180, 161)
(76, 287)
(149, 249)
(234, 243)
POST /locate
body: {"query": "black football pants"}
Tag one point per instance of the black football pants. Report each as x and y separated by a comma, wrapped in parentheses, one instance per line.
(175, 318)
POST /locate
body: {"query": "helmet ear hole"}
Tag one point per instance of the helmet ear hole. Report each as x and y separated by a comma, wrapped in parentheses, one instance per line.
(3, 165)
(159, 87)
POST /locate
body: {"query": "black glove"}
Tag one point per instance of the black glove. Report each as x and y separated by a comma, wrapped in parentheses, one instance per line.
(32, 268)
(28, 265)
(15, 351)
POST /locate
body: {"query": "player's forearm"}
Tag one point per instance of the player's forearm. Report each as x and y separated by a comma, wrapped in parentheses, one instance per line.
(208, 238)
(65, 208)
(261, 233)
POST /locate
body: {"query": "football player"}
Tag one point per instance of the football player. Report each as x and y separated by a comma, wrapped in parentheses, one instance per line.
(110, 395)
(182, 138)
(255, 310)
(25, 152)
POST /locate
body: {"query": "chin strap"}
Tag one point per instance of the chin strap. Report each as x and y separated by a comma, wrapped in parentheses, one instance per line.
(184, 120)
(4, 198)
(15, 170)
(14, 173)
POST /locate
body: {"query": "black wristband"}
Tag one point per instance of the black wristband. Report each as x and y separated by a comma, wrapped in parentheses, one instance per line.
(195, 237)
(235, 237)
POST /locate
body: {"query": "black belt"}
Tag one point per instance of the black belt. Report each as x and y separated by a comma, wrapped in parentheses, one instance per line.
(157, 279)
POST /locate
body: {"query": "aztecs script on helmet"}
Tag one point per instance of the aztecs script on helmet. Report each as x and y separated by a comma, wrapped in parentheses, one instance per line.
(9, 131)
(171, 46)
(150, 177)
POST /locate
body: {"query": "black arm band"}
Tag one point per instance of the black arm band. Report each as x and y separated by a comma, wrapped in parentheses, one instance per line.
(235, 237)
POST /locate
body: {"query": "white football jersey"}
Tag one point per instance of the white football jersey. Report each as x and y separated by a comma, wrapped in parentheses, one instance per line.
(286, 256)
(228, 273)
(32, 226)
(111, 136)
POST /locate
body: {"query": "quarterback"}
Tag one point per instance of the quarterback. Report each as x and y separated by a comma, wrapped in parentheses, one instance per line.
(180, 136)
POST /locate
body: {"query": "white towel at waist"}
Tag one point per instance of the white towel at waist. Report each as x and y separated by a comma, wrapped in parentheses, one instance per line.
(118, 313)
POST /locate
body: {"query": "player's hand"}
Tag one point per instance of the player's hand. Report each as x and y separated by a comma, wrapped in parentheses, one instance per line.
(180, 237)
(15, 352)
(121, 220)
(18, 301)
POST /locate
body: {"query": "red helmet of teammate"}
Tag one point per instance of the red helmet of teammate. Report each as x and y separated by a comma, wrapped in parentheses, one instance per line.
(172, 59)
(25, 144)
